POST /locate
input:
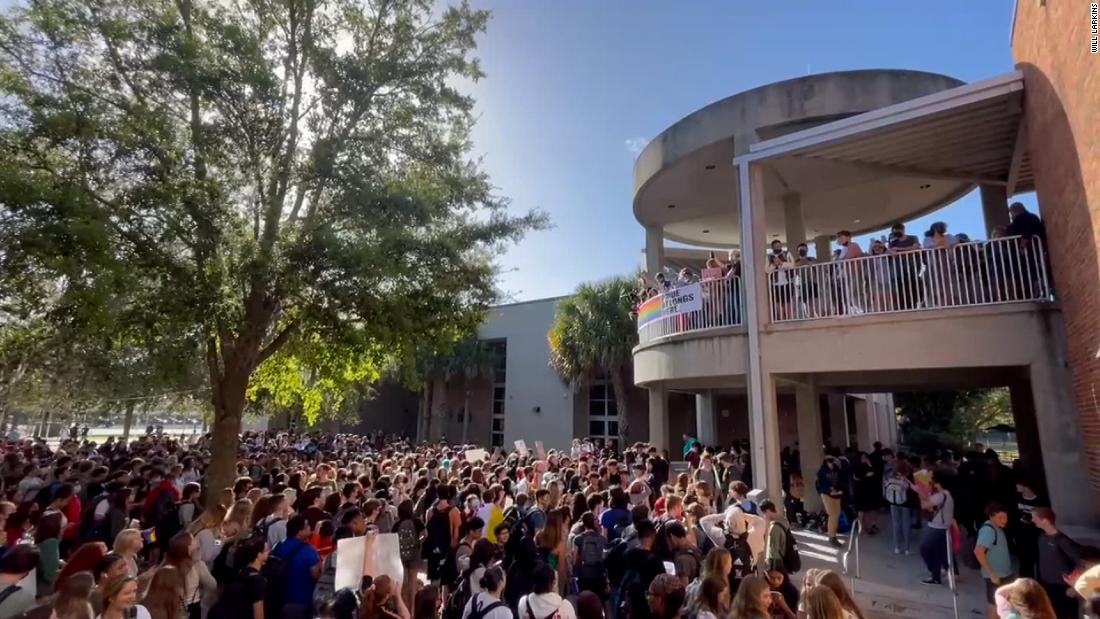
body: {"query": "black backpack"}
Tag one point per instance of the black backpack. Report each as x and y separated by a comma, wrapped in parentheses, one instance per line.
(591, 547)
(614, 562)
(792, 561)
(92, 530)
(276, 571)
(456, 603)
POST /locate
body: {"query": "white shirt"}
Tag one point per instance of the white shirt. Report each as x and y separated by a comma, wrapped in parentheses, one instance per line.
(140, 612)
(483, 600)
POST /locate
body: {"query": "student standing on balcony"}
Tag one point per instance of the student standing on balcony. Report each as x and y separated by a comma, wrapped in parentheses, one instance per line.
(806, 281)
(847, 282)
(779, 263)
(906, 265)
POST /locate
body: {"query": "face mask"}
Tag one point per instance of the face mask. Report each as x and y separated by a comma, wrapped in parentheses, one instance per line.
(777, 250)
(802, 252)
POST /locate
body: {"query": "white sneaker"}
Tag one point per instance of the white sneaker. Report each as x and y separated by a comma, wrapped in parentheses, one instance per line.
(897, 551)
(907, 553)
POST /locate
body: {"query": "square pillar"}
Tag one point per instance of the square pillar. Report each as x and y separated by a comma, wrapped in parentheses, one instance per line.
(658, 417)
(823, 248)
(705, 424)
(795, 226)
(864, 424)
(994, 207)
(838, 421)
(654, 250)
(811, 444)
(763, 408)
(1063, 451)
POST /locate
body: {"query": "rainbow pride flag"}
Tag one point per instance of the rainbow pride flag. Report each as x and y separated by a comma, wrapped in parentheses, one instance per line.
(649, 311)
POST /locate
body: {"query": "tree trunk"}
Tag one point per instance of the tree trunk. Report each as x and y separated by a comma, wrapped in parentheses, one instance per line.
(423, 428)
(45, 433)
(128, 421)
(226, 430)
(618, 383)
(466, 414)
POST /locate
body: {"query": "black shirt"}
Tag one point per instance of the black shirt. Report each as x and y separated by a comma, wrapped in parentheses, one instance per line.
(239, 595)
(1027, 225)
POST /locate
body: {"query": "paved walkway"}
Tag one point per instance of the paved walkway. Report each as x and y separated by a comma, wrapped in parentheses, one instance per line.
(889, 584)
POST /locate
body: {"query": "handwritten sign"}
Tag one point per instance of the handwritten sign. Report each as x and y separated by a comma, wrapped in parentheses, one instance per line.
(352, 562)
(521, 447)
(713, 273)
(476, 455)
(540, 450)
(683, 299)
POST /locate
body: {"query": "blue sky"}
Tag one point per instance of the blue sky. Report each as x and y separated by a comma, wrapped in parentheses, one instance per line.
(574, 86)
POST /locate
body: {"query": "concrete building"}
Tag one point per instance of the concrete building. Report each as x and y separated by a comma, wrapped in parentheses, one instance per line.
(524, 399)
(799, 161)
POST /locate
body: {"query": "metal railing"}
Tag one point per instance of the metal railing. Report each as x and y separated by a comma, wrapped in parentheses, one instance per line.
(721, 305)
(1006, 270)
(853, 547)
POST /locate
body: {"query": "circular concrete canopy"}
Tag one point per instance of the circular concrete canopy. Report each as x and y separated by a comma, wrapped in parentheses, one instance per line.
(684, 179)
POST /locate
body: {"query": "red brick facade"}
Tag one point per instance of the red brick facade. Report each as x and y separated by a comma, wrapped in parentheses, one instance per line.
(1050, 44)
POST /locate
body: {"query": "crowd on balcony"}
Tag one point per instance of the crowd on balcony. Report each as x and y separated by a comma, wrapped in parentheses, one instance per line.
(899, 272)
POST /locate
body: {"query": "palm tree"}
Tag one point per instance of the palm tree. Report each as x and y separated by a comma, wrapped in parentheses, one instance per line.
(592, 335)
(472, 359)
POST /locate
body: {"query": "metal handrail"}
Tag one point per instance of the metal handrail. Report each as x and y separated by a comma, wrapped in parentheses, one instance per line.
(721, 305)
(853, 544)
(951, 575)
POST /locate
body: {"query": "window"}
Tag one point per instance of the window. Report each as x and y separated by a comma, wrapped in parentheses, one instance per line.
(499, 349)
(603, 414)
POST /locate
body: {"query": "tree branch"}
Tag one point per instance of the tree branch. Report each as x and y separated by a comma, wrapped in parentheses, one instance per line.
(277, 343)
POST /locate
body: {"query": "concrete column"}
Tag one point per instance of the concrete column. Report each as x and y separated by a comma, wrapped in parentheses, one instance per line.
(763, 417)
(654, 249)
(764, 442)
(658, 417)
(823, 246)
(838, 421)
(1062, 448)
(994, 207)
(705, 423)
(793, 222)
(1027, 431)
(864, 435)
(810, 442)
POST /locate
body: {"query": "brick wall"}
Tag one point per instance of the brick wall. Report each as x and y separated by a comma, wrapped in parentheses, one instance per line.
(1050, 44)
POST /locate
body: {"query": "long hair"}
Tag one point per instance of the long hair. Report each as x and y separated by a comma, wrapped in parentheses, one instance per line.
(822, 603)
(710, 595)
(550, 536)
(833, 581)
(240, 518)
(72, 596)
(210, 519)
(1029, 599)
(747, 603)
(165, 597)
(179, 552)
(715, 562)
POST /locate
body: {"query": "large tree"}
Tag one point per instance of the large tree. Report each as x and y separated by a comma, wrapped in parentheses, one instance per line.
(593, 335)
(285, 183)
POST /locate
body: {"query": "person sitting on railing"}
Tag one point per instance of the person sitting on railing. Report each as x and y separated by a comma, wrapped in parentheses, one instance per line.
(779, 263)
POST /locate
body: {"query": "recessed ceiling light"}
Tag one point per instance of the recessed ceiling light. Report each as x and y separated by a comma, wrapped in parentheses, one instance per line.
(856, 221)
(925, 186)
(710, 166)
(671, 206)
(706, 231)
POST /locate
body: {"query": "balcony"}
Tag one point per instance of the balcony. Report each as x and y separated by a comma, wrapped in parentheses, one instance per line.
(701, 306)
(1001, 271)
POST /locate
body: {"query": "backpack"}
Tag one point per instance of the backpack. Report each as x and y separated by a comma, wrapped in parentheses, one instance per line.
(706, 544)
(792, 561)
(8, 592)
(896, 493)
(661, 546)
(93, 529)
(531, 615)
(967, 556)
(456, 603)
(276, 571)
(613, 562)
(408, 541)
(748, 507)
(481, 613)
(591, 550)
(326, 584)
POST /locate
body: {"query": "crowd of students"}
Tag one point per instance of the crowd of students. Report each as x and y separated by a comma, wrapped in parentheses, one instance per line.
(130, 530)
